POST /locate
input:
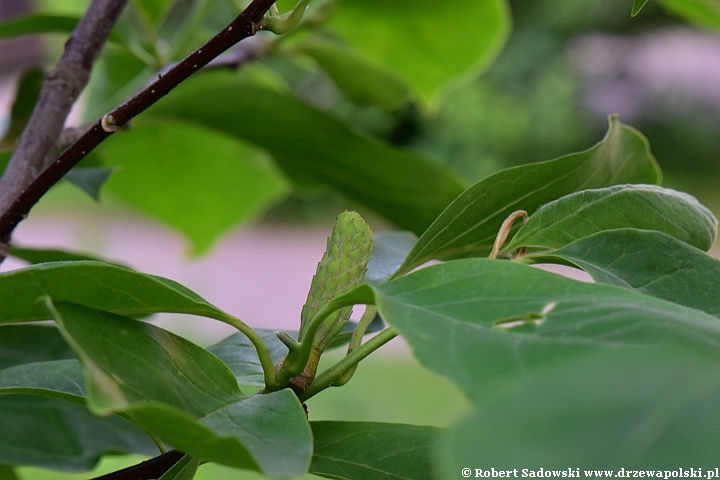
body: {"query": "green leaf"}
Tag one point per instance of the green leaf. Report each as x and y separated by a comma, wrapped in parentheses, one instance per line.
(483, 322)
(155, 10)
(52, 433)
(239, 354)
(267, 432)
(637, 6)
(129, 362)
(38, 23)
(640, 411)
(89, 179)
(705, 13)
(427, 43)
(96, 285)
(45, 255)
(651, 263)
(7, 473)
(374, 451)
(646, 207)
(390, 249)
(62, 379)
(42, 23)
(313, 147)
(20, 344)
(363, 82)
(185, 469)
(184, 394)
(469, 225)
(29, 87)
(199, 180)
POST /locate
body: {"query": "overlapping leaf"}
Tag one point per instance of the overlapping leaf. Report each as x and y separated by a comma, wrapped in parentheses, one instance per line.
(469, 225)
(374, 451)
(183, 470)
(427, 43)
(313, 147)
(183, 394)
(485, 322)
(642, 411)
(53, 433)
(96, 285)
(645, 207)
(178, 172)
(362, 82)
(390, 249)
(21, 344)
(649, 262)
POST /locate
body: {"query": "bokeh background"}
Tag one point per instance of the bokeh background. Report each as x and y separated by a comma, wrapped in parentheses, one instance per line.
(566, 67)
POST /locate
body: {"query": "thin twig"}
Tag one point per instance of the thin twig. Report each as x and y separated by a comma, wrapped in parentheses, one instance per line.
(149, 469)
(245, 25)
(37, 145)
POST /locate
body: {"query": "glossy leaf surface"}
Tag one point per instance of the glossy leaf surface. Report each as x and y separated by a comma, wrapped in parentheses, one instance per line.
(469, 225)
(313, 147)
(482, 322)
(645, 207)
(62, 379)
(651, 263)
(268, 432)
(363, 83)
(20, 344)
(52, 433)
(374, 451)
(129, 361)
(642, 411)
(420, 39)
(179, 172)
(96, 285)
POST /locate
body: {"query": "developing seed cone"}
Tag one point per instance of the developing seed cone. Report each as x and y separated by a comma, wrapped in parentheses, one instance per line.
(342, 268)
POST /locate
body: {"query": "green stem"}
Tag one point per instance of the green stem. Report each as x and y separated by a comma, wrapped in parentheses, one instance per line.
(263, 353)
(334, 373)
(295, 362)
(362, 326)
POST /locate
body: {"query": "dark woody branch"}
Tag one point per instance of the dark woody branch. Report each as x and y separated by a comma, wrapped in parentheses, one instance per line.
(245, 25)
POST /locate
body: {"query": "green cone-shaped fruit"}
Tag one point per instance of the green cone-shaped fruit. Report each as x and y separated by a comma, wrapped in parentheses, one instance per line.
(342, 268)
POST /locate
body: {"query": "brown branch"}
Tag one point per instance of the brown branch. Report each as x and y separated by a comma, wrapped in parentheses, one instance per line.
(37, 145)
(245, 25)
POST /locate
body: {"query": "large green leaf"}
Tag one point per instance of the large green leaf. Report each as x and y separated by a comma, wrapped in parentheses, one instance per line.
(184, 394)
(651, 263)
(129, 361)
(646, 207)
(267, 432)
(603, 413)
(185, 469)
(363, 83)
(705, 13)
(47, 255)
(469, 225)
(97, 285)
(21, 344)
(52, 433)
(62, 379)
(483, 322)
(426, 42)
(313, 147)
(199, 180)
(374, 451)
